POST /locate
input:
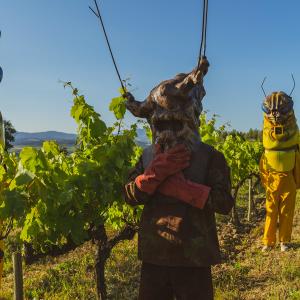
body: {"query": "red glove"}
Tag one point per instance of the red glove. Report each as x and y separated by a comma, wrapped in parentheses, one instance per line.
(178, 187)
(162, 166)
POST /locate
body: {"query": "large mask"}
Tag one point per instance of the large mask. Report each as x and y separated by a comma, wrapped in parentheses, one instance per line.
(173, 108)
(278, 108)
(280, 129)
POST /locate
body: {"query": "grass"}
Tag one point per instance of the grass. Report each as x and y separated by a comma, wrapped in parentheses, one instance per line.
(71, 276)
(248, 274)
(253, 275)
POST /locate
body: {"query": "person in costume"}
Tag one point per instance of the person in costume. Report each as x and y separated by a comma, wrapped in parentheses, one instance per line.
(279, 167)
(2, 144)
(182, 183)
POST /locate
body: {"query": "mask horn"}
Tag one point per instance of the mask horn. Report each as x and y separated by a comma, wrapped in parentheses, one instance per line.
(262, 87)
(294, 82)
(139, 109)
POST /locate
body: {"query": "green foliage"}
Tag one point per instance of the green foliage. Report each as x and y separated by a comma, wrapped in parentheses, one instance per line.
(53, 196)
(241, 155)
(12, 202)
(147, 129)
(9, 134)
(117, 106)
(90, 126)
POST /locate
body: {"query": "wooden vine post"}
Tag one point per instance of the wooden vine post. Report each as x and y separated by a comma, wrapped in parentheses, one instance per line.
(18, 276)
(250, 200)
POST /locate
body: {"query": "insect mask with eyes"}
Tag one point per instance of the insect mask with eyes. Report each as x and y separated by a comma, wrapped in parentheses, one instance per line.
(280, 129)
(278, 107)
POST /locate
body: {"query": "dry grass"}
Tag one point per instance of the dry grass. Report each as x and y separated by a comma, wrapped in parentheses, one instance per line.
(247, 275)
(254, 275)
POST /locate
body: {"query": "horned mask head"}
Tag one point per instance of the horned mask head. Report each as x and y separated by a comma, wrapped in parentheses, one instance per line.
(173, 109)
(278, 106)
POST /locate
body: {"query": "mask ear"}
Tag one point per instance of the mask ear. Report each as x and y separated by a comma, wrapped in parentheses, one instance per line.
(265, 109)
(291, 104)
(288, 107)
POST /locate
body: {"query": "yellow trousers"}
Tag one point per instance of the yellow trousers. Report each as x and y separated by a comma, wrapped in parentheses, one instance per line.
(280, 206)
(1, 255)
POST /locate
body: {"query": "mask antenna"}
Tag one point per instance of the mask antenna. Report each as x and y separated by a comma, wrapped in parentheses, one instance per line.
(294, 82)
(262, 86)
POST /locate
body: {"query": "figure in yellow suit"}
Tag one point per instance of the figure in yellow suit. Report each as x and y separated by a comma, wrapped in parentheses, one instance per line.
(2, 143)
(279, 167)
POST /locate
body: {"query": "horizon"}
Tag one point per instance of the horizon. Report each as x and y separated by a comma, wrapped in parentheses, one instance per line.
(33, 132)
(74, 133)
(245, 44)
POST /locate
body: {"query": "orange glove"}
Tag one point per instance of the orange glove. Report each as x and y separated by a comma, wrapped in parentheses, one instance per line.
(178, 187)
(162, 166)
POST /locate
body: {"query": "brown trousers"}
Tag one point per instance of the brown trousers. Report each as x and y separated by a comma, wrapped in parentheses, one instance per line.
(180, 283)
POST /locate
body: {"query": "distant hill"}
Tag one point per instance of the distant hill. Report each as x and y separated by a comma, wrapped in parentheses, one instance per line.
(37, 138)
(68, 139)
(142, 137)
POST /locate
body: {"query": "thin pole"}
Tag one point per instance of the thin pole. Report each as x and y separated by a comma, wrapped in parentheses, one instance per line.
(98, 15)
(250, 200)
(202, 51)
(205, 29)
(18, 276)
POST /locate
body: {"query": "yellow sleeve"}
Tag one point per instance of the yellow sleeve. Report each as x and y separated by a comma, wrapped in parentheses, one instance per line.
(1, 258)
(296, 170)
(263, 171)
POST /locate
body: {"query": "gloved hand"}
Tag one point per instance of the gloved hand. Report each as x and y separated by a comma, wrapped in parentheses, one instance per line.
(162, 166)
(178, 187)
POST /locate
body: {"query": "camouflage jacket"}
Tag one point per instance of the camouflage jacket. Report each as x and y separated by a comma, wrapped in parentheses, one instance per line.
(173, 233)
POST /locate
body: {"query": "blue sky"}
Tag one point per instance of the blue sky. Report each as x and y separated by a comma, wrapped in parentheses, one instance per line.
(47, 41)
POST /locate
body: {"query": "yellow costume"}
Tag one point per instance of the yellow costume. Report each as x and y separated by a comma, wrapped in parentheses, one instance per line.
(2, 143)
(279, 167)
(1, 259)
